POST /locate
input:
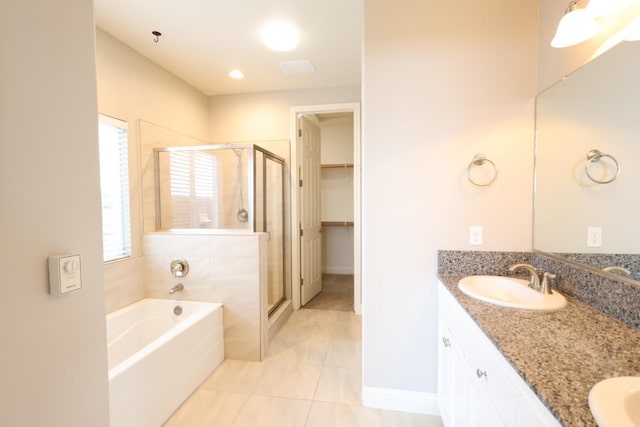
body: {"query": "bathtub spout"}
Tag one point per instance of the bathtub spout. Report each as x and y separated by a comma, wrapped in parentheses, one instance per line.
(177, 288)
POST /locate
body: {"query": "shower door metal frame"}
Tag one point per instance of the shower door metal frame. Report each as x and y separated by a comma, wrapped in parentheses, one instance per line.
(269, 155)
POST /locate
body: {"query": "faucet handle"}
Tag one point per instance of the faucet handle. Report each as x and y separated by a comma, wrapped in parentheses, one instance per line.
(545, 288)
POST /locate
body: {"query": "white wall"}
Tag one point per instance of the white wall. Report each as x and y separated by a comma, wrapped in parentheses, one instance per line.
(442, 82)
(337, 198)
(53, 364)
(266, 115)
(130, 87)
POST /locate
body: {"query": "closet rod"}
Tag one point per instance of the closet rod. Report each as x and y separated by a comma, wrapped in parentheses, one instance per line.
(337, 166)
(337, 223)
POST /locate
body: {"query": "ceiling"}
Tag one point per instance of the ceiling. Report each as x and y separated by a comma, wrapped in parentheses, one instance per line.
(203, 40)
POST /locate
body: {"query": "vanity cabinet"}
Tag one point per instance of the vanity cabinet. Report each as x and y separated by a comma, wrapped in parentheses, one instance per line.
(476, 385)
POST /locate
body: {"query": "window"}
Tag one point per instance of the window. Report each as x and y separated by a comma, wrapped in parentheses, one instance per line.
(114, 186)
(194, 197)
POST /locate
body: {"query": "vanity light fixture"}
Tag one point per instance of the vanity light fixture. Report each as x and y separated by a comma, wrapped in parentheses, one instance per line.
(576, 26)
(236, 74)
(280, 36)
(607, 7)
(632, 31)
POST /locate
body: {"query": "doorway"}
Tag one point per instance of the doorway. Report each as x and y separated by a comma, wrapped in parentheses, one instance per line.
(338, 223)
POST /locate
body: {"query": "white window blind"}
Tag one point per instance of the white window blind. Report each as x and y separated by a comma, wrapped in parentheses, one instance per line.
(114, 186)
(194, 197)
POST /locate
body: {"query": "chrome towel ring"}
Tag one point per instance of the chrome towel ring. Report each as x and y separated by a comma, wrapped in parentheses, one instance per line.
(479, 160)
(594, 156)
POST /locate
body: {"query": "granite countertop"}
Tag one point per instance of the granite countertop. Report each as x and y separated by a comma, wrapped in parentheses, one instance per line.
(559, 354)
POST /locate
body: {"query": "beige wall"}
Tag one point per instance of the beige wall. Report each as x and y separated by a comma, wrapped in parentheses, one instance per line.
(132, 88)
(442, 82)
(53, 364)
(266, 115)
(337, 196)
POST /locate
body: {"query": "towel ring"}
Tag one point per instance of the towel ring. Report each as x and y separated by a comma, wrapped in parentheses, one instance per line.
(594, 156)
(479, 160)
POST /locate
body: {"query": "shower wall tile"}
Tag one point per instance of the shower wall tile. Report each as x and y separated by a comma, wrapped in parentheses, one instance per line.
(153, 244)
(243, 330)
(185, 246)
(229, 269)
(235, 246)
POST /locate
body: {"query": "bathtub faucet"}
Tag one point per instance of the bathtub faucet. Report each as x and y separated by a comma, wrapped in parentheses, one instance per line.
(177, 288)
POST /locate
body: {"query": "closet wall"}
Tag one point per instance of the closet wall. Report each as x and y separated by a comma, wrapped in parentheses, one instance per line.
(337, 193)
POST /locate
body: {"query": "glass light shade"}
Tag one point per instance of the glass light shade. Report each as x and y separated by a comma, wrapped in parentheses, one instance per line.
(632, 32)
(575, 27)
(607, 7)
(280, 36)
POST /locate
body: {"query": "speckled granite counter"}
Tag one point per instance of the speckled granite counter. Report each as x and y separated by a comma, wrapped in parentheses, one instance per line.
(560, 354)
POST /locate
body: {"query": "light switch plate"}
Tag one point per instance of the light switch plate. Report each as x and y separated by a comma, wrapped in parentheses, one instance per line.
(65, 274)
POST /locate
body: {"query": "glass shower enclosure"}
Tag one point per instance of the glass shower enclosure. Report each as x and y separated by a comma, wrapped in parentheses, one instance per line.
(230, 187)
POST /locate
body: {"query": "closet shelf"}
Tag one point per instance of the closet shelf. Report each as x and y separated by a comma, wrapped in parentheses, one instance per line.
(337, 223)
(337, 166)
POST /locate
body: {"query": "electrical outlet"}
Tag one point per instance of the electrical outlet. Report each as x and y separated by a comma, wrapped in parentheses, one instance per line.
(594, 237)
(475, 235)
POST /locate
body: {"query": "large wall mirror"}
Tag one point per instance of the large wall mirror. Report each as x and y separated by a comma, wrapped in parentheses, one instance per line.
(586, 205)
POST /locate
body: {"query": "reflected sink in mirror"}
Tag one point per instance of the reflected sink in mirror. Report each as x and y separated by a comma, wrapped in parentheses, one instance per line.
(615, 402)
(510, 292)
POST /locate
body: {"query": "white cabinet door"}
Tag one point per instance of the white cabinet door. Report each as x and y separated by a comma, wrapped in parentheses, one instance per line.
(476, 386)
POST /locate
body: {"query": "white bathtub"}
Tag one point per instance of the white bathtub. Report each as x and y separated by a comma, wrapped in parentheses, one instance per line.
(157, 359)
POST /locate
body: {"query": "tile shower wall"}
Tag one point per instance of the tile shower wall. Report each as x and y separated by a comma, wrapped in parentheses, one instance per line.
(225, 268)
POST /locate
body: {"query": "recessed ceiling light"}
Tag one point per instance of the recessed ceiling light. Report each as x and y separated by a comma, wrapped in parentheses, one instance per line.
(236, 74)
(280, 35)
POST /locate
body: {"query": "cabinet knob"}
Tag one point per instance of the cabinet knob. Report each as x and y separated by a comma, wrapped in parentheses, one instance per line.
(480, 373)
(446, 342)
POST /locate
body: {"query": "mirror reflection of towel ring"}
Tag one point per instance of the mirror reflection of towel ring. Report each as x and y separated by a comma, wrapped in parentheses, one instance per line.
(479, 160)
(594, 156)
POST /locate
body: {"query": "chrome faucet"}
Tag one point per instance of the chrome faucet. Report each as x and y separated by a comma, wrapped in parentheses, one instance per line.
(534, 281)
(177, 288)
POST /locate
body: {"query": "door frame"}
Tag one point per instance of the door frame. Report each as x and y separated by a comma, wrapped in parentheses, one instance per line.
(354, 108)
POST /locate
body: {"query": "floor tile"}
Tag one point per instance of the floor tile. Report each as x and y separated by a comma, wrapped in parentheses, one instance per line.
(406, 419)
(207, 408)
(305, 343)
(344, 354)
(266, 411)
(238, 376)
(326, 414)
(339, 385)
(289, 379)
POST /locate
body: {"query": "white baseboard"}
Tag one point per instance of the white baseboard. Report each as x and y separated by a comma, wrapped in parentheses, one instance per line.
(400, 400)
(337, 270)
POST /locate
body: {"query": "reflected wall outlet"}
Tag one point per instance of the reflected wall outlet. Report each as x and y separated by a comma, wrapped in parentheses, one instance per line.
(475, 235)
(594, 237)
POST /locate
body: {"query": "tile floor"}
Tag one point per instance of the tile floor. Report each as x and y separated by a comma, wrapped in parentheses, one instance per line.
(311, 378)
(336, 293)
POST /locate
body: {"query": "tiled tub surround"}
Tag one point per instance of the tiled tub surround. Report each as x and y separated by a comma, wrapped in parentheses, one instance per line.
(560, 354)
(227, 268)
(617, 297)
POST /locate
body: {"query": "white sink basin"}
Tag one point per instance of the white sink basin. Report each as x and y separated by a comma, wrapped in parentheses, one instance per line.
(510, 292)
(615, 402)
